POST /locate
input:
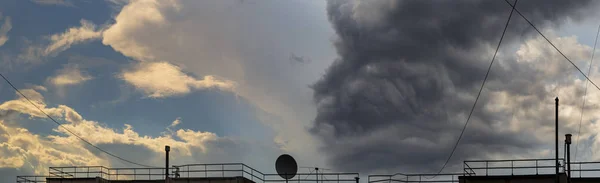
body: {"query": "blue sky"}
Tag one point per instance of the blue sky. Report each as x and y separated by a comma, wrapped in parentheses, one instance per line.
(209, 110)
(202, 76)
(94, 85)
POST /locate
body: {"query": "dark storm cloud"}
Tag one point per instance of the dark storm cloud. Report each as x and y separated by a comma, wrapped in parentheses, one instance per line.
(407, 75)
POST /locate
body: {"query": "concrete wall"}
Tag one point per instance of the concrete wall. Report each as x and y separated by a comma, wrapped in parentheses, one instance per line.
(211, 180)
(76, 180)
(512, 179)
(585, 180)
(172, 180)
(136, 181)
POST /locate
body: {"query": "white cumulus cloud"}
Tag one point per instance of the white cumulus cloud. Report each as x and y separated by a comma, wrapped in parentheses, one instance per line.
(176, 122)
(33, 153)
(162, 79)
(4, 29)
(216, 38)
(21, 105)
(154, 31)
(62, 41)
(136, 15)
(69, 75)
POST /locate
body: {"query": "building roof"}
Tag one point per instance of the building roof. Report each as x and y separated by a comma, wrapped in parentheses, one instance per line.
(190, 171)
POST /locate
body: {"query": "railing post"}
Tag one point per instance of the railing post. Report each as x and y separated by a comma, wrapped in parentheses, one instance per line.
(88, 172)
(464, 168)
(512, 167)
(486, 168)
(134, 174)
(536, 167)
(205, 172)
(117, 174)
(222, 170)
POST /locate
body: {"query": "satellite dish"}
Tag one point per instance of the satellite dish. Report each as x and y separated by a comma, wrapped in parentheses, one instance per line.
(286, 166)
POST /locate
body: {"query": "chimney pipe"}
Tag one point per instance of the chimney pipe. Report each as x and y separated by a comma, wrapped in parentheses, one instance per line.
(167, 149)
(557, 180)
(568, 142)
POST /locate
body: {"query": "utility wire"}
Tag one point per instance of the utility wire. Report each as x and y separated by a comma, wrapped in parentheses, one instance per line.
(317, 173)
(552, 44)
(309, 173)
(61, 125)
(585, 93)
(478, 94)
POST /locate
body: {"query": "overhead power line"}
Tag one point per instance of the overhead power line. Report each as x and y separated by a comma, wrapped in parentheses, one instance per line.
(61, 126)
(478, 94)
(585, 93)
(309, 173)
(552, 44)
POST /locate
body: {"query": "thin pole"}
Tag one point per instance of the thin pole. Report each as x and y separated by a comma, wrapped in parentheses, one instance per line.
(486, 168)
(568, 143)
(569, 161)
(317, 170)
(556, 140)
(167, 149)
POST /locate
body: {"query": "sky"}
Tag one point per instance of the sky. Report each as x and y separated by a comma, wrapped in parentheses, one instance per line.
(379, 86)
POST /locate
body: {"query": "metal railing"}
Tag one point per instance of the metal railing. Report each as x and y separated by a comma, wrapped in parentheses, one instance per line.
(107, 173)
(585, 169)
(430, 178)
(512, 167)
(223, 170)
(31, 179)
(242, 170)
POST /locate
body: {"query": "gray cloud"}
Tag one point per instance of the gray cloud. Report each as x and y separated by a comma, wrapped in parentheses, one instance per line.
(407, 76)
(299, 59)
(8, 174)
(261, 68)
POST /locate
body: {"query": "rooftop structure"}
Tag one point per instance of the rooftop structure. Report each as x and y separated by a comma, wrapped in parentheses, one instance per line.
(474, 171)
(191, 173)
(505, 171)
